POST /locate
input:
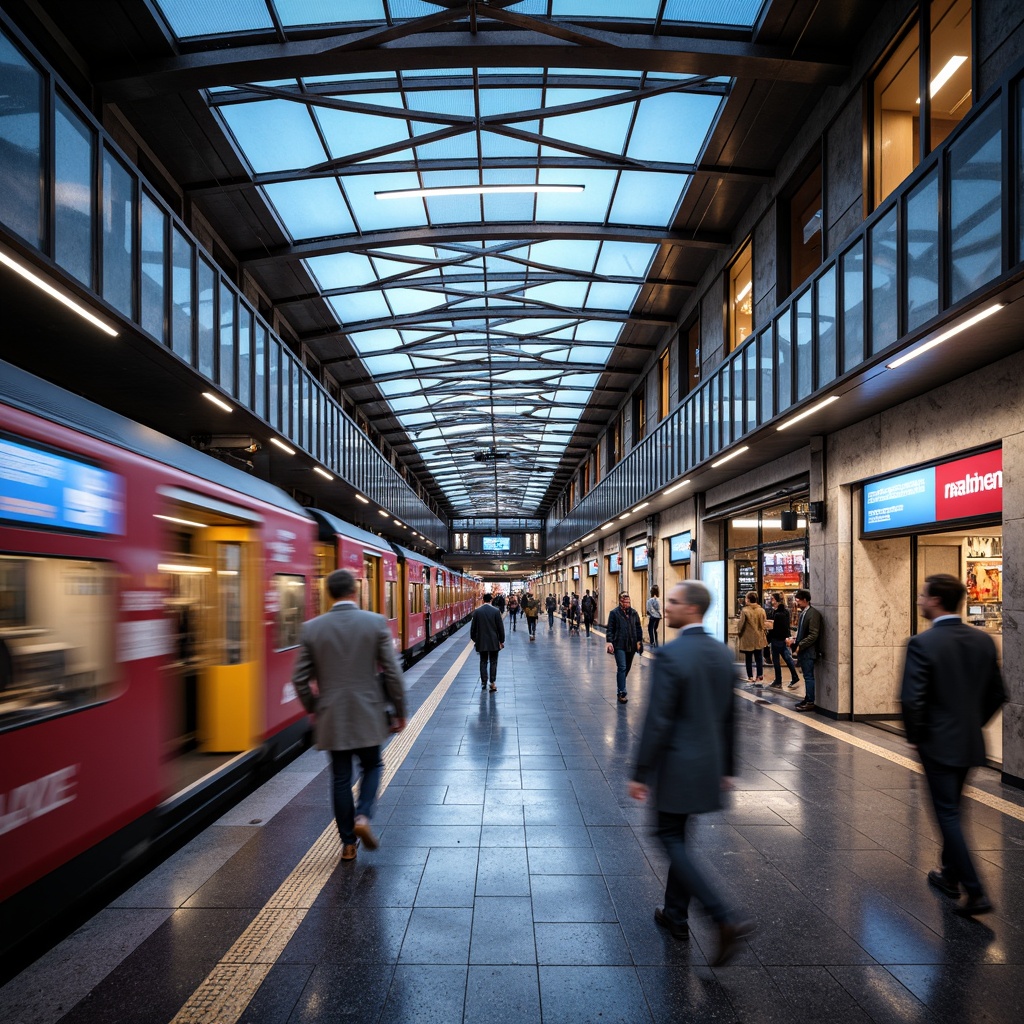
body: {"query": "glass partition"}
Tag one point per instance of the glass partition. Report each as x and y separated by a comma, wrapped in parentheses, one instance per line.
(73, 190)
(766, 367)
(154, 269)
(118, 234)
(852, 264)
(206, 322)
(784, 360)
(21, 145)
(827, 327)
(804, 361)
(922, 244)
(182, 257)
(884, 259)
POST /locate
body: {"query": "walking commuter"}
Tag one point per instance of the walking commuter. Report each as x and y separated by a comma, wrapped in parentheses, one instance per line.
(653, 615)
(550, 606)
(752, 637)
(625, 637)
(513, 610)
(588, 606)
(343, 650)
(574, 614)
(686, 753)
(807, 645)
(499, 602)
(778, 635)
(487, 631)
(531, 609)
(565, 607)
(951, 687)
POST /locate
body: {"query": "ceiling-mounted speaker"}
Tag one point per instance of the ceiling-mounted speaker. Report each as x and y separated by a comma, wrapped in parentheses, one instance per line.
(789, 520)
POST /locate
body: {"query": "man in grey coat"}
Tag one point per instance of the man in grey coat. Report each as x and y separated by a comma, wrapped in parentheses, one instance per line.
(951, 687)
(686, 751)
(487, 631)
(343, 650)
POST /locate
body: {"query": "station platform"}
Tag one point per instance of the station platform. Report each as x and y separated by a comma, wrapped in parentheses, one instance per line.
(516, 880)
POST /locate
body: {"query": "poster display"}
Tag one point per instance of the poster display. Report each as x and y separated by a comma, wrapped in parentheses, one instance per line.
(712, 575)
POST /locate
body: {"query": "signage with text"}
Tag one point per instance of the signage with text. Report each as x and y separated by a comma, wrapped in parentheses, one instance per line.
(592, 567)
(679, 547)
(640, 557)
(497, 543)
(614, 564)
(959, 489)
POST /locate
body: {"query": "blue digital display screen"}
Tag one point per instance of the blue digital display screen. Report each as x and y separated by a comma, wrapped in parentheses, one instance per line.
(42, 488)
(900, 501)
(679, 547)
(497, 544)
(640, 557)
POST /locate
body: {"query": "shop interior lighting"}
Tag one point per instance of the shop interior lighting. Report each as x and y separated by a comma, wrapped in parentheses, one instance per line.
(280, 444)
(808, 412)
(675, 487)
(946, 335)
(323, 473)
(744, 291)
(365, 501)
(194, 569)
(211, 397)
(731, 455)
(66, 300)
(947, 72)
(184, 522)
(473, 190)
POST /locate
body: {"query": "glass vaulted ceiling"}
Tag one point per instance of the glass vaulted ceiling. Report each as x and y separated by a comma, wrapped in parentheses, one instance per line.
(495, 342)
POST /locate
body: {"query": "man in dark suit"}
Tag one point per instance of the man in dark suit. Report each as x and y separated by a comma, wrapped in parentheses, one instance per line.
(343, 650)
(487, 631)
(951, 687)
(807, 645)
(686, 748)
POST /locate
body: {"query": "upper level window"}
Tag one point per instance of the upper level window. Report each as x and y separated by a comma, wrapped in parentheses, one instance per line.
(907, 126)
(805, 233)
(689, 366)
(664, 378)
(741, 299)
(639, 417)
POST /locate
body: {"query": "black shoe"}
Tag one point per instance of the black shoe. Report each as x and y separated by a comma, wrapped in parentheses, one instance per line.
(943, 884)
(973, 905)
(805, 705)
(793, 683)
(678, 930)
(623, 699)
(777, 686)
(483, 684)
(729, 935)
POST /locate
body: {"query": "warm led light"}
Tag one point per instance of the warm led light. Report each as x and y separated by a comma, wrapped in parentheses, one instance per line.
(772, 524)
(607, 526)
(675, 487)
(588, 536)
(171, 567)
(397, 522)
(184, 522)
(22, 270)
(216, 401)
(473, 190)
(282, 446)
(323, 473)
(381, 512)
(947, 72)
(731, 455)
(744, 291)
(625, 515)
(365, 501)
(643, 505)
(921, 349)
(808, 412)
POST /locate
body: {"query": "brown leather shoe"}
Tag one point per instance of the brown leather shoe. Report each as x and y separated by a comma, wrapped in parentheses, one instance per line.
(365, 833)
(348, 851)
(494, 689)
(729, 935)
(677, 929)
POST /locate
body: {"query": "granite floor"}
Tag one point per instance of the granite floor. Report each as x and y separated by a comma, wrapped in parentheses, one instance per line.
(516, 881)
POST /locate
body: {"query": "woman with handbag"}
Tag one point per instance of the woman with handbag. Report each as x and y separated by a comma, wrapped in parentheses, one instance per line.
(751, 638)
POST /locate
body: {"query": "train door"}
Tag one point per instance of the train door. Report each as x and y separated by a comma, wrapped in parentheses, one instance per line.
(369, 585)
(427, 604)
(325, 561)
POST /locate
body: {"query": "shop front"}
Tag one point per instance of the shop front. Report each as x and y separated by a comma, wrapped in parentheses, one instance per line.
(942, 517)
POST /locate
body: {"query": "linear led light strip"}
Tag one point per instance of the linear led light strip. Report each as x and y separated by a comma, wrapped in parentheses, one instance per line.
(808, 412)
(473, 190)
(35, 279)
(946, 335)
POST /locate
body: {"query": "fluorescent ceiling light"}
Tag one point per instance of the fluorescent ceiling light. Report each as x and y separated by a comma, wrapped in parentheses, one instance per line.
(184, 522)
(640, 506)
(381, 512)
(808, 412)
(945, 336)
(473, 190)
(947, 72)
(731, 455)
(607, 526)
(280, 444)
(675, 487)
(397, 522)
(365, 501)
(625, 515)
(216, 401)
(323, 473)
(588, 536)
(66, 300)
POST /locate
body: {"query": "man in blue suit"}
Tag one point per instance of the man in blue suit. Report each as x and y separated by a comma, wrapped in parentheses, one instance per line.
(686, 750)
(951, 687)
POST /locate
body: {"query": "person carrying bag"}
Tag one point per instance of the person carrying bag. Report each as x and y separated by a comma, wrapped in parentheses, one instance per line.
(752, 637)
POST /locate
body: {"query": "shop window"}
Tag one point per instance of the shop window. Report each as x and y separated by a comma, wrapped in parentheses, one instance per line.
(615, 442)
(741, 298)
(74, 145)
(639, 417)
(664, 380)
(907, 125)
(805, 231)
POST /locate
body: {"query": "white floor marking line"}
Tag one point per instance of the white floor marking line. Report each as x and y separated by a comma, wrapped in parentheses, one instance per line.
(228, 989)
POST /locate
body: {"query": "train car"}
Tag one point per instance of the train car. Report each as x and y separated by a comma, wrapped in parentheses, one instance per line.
(150, 604)
(414, 581)
(344, 546)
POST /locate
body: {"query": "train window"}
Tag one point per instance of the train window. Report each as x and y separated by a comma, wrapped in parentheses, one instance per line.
(229, 586)
(370, 599)
(291, 608)
(389, 599)
(415, 598)
(57, 649)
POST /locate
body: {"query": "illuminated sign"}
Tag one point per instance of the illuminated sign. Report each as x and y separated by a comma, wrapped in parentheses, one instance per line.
(640, 557)
(42, 488)
(497, 544)
(959, 489)
(575, 572)
(592, 567)
(679, 547)
(614, 564)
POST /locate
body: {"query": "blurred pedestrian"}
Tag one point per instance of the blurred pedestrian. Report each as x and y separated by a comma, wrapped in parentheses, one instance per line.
(653, 615)
(625, 638)
(531, 609)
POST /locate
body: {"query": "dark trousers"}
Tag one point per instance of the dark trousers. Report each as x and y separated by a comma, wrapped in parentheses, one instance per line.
(512, 616)
(652, 631)
(531, 625)
(623, 663)
(488, 658)
(685, 880)
(551, 619)
(781, 651)
(588, 621)
(345, 811)
(946, 783)
(752, 657)
(806, 662)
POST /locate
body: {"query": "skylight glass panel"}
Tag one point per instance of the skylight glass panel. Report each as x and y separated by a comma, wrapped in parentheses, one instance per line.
(326, 12)
(456, 102)
(508, 101)
(690, 116)
(635, 11)
(311, 208)
(493, 145)
(589, 206)
(714, 12)
(598, 330)
(393, 362)
(341, 270)
(647, 197)
(348, 132)
(360, 306)
(274, 134)
(375, 341)
(625, 259)
(375, 214)
(434, 72)
(458, 147)
(189, 18)
(411, 300)
(612, 296)
(603, 129)
(454, 209)
(589, 354)
(569, 294)
(517, 206)
(563, 252)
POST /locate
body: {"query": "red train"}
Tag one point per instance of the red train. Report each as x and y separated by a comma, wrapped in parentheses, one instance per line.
(150, 604)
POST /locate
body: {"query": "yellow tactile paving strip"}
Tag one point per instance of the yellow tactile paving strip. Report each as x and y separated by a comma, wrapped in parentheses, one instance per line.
(995, 802)
(229, 987)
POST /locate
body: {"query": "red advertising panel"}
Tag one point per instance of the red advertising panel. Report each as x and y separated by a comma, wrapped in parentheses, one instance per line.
(969, 487)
